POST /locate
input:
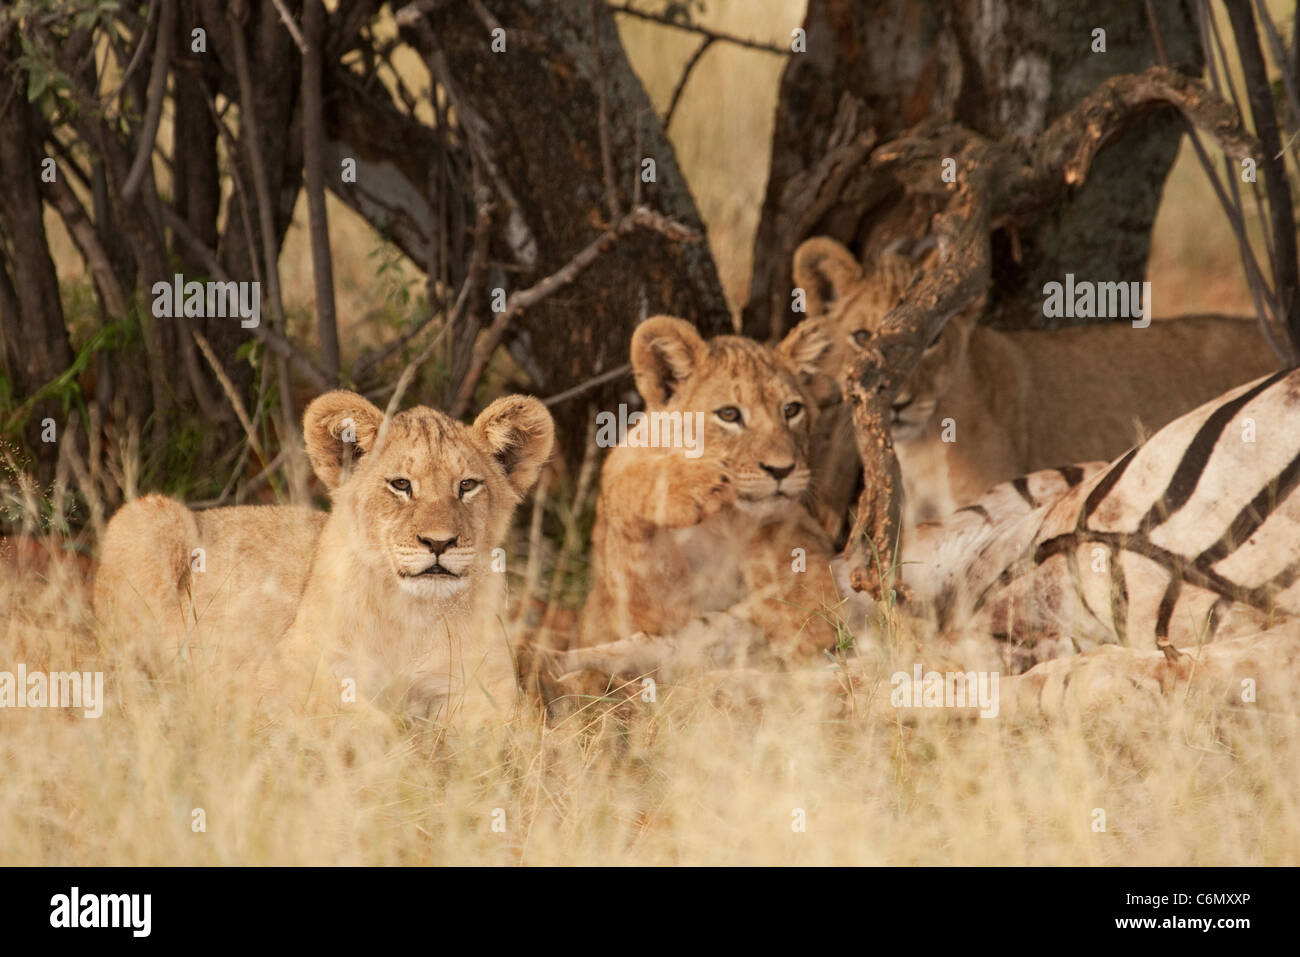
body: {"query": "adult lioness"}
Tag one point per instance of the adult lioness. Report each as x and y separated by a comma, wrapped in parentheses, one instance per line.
(393, 589)
(675, 536)
(1012, 403)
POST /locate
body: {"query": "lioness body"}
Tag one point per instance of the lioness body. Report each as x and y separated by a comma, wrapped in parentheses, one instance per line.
(1024, 401)
(985, 406)
(677, 537)
(390, 595)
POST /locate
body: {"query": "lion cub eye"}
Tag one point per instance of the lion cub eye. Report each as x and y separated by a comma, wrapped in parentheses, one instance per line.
(862, 337)
(468, 485)
(728, 413)
(792, 409)
(400, 485)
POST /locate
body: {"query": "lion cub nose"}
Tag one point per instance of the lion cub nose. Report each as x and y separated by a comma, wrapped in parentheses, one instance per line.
(777, 472)
(437, 546)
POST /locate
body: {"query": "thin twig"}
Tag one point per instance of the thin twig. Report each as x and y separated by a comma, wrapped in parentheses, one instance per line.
(293, 28)
(366, 363)
(137, 57)
(268, 336)
(1279, 54)
(572, 535)
(640, 218)
(232, 394)
(82, 231)
(686, 75)
(266, 220)
(609, 375)
(313, 150)
(153, 109)
(1286, 268)
(1232, 207)
(478, 257)
(702, 31)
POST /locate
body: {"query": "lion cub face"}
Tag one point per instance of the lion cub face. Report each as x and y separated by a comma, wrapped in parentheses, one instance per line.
(851, 306)
(754, 404)
(427, 497)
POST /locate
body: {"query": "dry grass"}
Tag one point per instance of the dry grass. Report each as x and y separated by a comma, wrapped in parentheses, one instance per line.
(689, 780)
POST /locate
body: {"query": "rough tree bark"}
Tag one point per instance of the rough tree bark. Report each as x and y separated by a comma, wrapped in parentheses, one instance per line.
(32, 335)
(998, 67)
(536, 108)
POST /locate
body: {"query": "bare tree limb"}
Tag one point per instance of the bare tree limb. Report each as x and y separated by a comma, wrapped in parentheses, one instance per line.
(137, 57)
(996, 182)
(478, 262)
(639, 218)
(609, 375)
(232, 394)
(686, 75)
(153, 110)
(270, 337)
(266, 222)
(313, 151)
(695, 28)
(1286, 278)
(292, 27)
(82, 231)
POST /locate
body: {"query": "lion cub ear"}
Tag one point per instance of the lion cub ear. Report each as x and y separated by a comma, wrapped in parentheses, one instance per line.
(338, 427)
(664, 354)
(519, 433)
(810, 350)
(825, 270)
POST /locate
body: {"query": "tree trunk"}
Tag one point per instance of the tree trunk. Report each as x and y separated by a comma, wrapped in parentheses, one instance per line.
(998, 67)
(536, 108)
(34, 339)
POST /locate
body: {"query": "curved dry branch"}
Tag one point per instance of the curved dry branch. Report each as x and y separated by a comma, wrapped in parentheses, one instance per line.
(997, 182)
(153, 111)
(641, 217)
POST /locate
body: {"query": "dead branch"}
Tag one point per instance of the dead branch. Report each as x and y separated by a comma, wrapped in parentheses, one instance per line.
(266, 222)
(640, 218)
(153, 110)
(83, 234)
(137, 57)
(232, 394)
(477, 265)
(609, 375)
(1260, 292)
(686, 75)
(292, 27)
(695, 28)
(313, 151)
(997, 182)
(1065, 151)
(270, 337)
(1286, 277)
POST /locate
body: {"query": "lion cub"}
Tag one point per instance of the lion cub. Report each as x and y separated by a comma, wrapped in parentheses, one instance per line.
(393, 589)
(677, 537)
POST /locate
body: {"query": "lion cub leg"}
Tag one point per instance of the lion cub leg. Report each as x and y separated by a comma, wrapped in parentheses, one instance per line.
(792, 594)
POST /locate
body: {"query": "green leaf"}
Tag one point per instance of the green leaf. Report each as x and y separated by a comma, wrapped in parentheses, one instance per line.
(38, 79)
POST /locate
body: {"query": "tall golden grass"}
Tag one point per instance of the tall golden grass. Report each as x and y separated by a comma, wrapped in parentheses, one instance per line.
(698, 777)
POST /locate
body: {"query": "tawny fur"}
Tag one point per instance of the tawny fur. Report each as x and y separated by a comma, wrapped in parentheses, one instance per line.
(307, 601)
(1018, 401)
(676, 537)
